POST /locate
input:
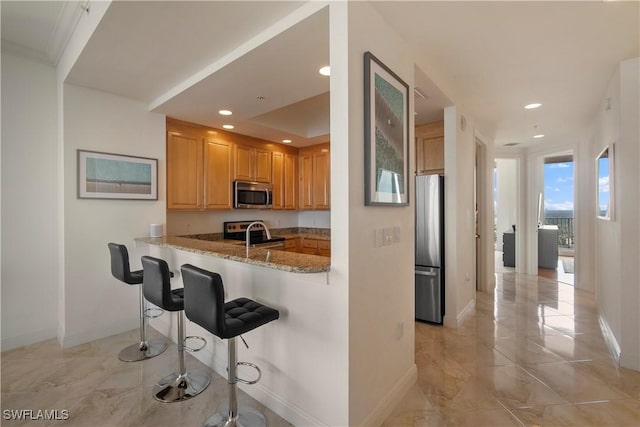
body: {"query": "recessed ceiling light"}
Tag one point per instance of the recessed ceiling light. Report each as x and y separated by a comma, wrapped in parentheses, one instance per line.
(325, 71)
(225, 112)
(540, 135)
(228, 126)
(286, 141)
(532, 106)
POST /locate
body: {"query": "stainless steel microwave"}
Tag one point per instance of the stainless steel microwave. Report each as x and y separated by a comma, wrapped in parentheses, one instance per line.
(252, 195)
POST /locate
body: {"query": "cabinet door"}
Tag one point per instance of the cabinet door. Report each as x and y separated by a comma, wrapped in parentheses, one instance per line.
(324, 248)
(290, 181)
(432, 154)
(262, 165)
(278, 181)
(430, 148)
(244, 163)
(309, 246)
(321, 175)
(218, 175)
(184, 171)
(306, 180)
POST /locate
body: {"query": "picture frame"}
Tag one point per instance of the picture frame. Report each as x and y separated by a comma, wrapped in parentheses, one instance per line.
(386, 135)
(116, 176)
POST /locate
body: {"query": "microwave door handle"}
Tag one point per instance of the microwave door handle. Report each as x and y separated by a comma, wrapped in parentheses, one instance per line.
(266, 192)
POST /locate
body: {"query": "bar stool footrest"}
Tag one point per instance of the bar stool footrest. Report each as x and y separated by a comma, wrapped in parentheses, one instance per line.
(194, 349)
(154, 310)
(251, 365)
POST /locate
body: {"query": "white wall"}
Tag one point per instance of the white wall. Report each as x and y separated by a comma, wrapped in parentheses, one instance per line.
(629, 177)
(507, 181)
(29, 190)
(616, 241)
(96, 304)
(381, 280)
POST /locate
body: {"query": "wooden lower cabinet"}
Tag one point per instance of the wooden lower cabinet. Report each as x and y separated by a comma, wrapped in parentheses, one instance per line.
(292, 245)
(324, 247)
(311, 246)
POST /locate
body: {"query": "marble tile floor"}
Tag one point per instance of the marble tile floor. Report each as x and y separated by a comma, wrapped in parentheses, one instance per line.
(99, 390)
(532, 354)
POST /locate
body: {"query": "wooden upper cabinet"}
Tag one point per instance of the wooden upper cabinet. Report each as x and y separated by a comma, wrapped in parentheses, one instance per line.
(253, 164)
(306, 181)
(218, 176)
(184, 171)
(321, 180)
(290, 181)
(263, 165)
(315, 178)
(430, 148)
(284, 181)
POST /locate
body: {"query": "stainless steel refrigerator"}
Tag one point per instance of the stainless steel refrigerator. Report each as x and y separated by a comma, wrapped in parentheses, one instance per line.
(429, 270)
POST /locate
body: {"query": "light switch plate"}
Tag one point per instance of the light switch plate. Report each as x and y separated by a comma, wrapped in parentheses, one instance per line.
(396, 234)
(378, 237)
(388, 236)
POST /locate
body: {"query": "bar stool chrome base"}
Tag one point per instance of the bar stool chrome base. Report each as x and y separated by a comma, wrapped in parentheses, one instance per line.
(142, 351)
(176, 388)
(246, 417)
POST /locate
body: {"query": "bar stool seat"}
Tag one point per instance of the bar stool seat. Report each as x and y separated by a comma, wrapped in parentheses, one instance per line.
(204, 305)
(120, 269)
(183, 384)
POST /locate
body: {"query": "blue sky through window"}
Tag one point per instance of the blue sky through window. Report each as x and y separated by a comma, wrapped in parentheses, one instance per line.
(558, 186)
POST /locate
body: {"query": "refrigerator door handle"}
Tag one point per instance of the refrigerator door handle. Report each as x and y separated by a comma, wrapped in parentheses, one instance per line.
(426, 273)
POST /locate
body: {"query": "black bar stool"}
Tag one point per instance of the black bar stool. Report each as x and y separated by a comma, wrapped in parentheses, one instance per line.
(120, 269)
(184, 384)
(204, 305)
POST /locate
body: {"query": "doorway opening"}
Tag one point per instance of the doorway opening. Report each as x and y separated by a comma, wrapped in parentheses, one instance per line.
(506, 214)
(558, 219)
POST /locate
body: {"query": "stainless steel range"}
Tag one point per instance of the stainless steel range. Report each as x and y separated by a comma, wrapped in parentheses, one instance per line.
(259, 235)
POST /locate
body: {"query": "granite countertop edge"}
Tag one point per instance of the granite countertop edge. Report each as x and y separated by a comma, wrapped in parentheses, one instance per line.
(278, 260)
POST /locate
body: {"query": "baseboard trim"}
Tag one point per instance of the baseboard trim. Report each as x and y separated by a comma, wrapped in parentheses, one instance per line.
(389, 402)
(467, 311)
(610, 339)
(70, 340)
(276, 403)
(28, 338)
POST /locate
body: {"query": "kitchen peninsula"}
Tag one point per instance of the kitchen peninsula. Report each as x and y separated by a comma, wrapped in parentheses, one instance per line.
(294, 353)
(275, 259)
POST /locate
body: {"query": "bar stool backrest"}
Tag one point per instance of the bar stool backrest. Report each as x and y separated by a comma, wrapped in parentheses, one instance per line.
(157, 284)
(120, 264)
(204, 299)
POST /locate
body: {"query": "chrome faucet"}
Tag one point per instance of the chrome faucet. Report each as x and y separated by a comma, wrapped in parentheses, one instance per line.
(248, 236)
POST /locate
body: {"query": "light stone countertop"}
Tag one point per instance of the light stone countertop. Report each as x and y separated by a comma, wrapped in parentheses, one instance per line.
(269, 258)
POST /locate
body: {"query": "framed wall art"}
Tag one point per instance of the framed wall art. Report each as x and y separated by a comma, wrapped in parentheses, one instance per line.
(116, 176)
(386, 134)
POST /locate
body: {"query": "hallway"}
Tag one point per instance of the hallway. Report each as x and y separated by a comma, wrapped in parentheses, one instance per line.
(534, 356)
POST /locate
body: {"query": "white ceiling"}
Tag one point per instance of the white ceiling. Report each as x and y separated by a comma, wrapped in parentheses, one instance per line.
(491, 57)
(500, 56)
